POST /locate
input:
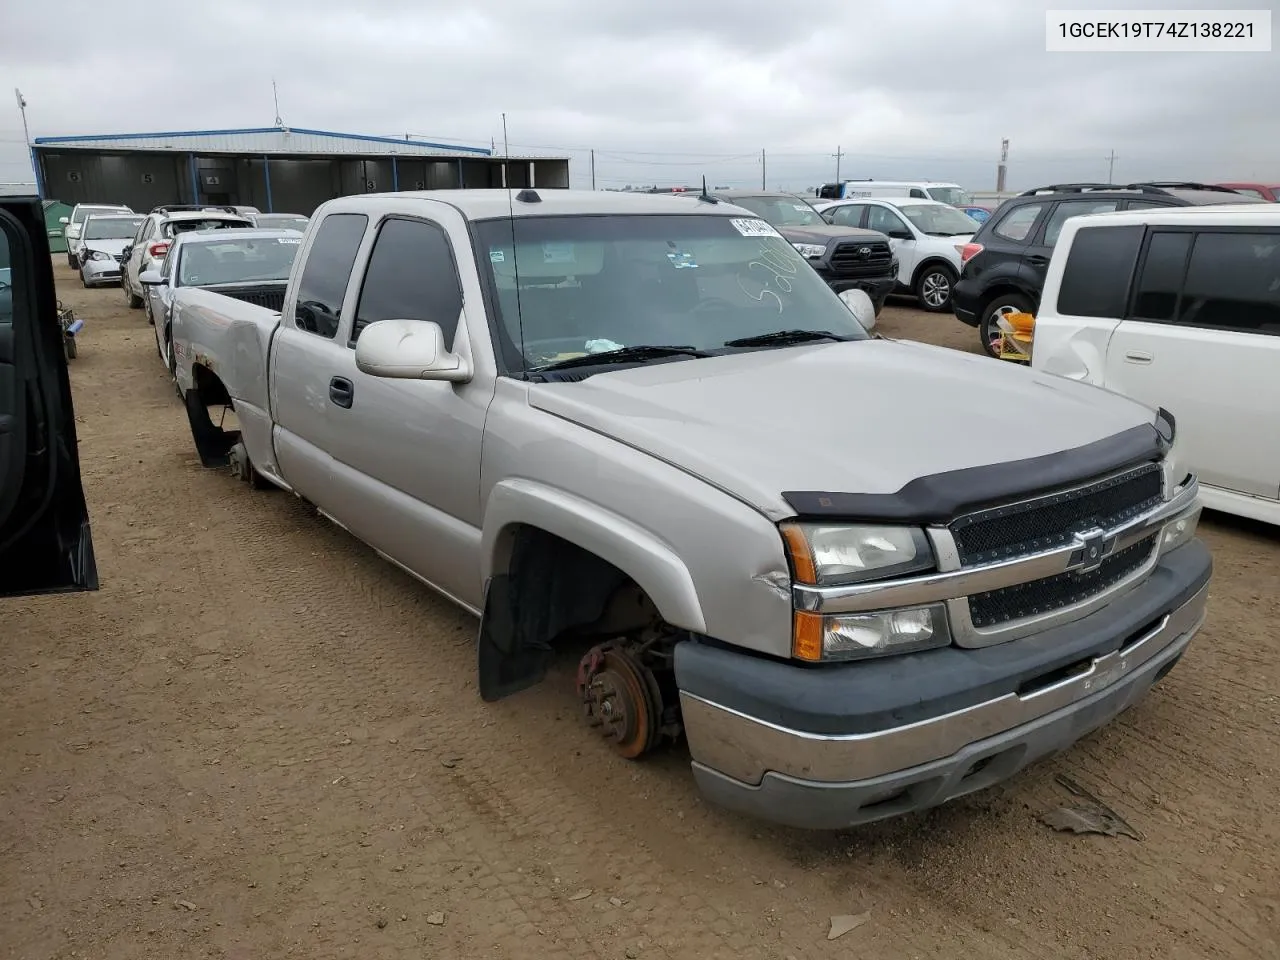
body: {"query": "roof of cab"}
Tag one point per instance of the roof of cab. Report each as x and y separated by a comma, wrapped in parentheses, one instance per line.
(1260, 213)
(499, 203)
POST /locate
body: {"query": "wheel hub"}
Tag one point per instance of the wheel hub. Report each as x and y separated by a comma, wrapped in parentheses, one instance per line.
(620, 699)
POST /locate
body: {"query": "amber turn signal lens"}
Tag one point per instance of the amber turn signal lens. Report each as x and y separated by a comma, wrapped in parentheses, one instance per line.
(801, 556)
(806, 636)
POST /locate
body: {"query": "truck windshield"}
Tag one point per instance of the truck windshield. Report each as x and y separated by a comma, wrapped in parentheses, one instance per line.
(246, 260)
(111, 228)
(571, 286)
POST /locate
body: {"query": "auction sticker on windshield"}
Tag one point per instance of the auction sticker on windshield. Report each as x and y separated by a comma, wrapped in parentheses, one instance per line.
(753, 227)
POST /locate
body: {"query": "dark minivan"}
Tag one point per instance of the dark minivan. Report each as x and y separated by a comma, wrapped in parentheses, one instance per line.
(1006, 261)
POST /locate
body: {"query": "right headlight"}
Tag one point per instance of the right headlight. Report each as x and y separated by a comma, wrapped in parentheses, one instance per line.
(829, 555)
(832, 554)
(810, 251)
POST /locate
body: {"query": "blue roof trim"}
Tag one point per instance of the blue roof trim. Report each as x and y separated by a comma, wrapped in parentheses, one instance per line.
(173, 134)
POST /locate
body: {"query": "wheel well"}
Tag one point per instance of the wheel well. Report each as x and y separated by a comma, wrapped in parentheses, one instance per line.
(563, 589)
(212, 442)
(930, 262)
(1001, 290)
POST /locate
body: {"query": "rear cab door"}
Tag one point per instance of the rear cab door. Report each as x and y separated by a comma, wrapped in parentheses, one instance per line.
(1201, 337)
(1039, 249)
(45, 542)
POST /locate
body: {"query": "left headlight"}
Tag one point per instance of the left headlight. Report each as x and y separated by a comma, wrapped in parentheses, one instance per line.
(810, 251)
(98, 255)
(833, 554)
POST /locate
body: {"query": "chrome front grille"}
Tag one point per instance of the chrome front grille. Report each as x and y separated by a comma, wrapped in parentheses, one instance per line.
(1018, 529)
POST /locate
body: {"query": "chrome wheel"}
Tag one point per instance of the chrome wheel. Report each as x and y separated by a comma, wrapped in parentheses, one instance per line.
(935, 290)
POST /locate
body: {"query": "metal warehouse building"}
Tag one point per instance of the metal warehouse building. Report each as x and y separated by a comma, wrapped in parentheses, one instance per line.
(289, 170)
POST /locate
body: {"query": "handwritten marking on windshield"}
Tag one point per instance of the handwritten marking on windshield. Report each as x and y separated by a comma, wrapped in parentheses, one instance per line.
(780, 267)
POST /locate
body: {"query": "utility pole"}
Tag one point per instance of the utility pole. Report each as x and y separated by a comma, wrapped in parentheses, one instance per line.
(506, 152)
(593, 169)
(1003, 167)
(838, 154)
(764, 171)
(275, 98)
(1111, 165)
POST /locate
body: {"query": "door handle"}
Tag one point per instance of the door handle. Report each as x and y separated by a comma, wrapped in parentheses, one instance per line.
(342, 392)
(1137, 356)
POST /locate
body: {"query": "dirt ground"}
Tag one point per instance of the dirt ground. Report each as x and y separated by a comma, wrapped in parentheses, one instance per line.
(258, 740)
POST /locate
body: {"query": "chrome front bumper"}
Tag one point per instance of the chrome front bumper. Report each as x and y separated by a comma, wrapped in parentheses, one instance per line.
(832, 781)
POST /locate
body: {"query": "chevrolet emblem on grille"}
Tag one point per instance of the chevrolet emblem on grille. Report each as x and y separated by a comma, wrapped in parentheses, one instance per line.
(1091, 549)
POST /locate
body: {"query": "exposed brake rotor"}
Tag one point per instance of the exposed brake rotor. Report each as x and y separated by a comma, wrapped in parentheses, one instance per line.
(621, 699)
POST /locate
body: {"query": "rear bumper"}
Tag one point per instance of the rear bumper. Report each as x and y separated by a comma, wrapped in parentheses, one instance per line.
(810, 754)
(964, 302)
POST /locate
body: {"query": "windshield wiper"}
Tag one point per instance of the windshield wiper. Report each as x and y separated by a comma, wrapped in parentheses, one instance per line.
(779, 337)
(622, 355)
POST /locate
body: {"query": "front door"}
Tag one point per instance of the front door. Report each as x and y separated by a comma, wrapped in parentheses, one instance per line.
(417, 443)
(901, 238)
(1203, 340)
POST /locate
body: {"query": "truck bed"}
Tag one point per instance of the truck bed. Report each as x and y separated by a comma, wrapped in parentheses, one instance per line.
(268, 294)
(227, 336)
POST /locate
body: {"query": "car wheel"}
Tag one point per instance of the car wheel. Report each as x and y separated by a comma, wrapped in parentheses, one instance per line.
(989, 330)
(133, 301)
(83, 282)
(933, 288)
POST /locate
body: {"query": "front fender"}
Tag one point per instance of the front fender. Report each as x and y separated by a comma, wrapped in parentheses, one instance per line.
(637, 552)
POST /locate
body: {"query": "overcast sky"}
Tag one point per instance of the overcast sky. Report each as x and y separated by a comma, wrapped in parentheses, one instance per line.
(664, 90)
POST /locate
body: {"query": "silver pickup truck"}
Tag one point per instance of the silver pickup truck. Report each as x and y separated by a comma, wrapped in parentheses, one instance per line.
(861, 577)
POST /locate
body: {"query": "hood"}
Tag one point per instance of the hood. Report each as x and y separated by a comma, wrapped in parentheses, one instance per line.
(859, 417)
(826, 233)
(113, 247)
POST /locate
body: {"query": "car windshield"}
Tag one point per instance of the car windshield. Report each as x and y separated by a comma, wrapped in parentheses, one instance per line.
(781, 211)
(83, 213)
(571, 286)
(172, 228)
(282, 221)
(952, 195)
(111, 228)
(938, 221)
(238, 260)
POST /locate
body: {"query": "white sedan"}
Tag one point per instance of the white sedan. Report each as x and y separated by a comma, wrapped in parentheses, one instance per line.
(926, 237)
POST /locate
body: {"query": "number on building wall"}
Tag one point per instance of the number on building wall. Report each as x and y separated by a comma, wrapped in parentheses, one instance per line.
(73, 176)
(371, 185)
(419, 184)
(148, 178)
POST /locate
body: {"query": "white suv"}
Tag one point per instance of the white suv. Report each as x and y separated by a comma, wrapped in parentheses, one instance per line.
(155, 235)
(926, 236)
(1179, 308)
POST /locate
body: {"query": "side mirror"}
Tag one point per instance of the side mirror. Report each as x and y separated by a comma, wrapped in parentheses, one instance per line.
(901, 235)
(64, 220)
(150, 278)
(860, 305)
(408, 350)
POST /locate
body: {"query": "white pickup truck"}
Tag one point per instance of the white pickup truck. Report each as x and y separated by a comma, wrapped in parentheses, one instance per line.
(860, 577)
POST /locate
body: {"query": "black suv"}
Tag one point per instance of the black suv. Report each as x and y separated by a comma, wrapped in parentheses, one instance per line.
(1006, 261)
(847, 258)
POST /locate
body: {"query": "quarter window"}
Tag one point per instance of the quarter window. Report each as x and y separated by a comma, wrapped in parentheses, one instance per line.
(1017, 223)
(1095, 280)
(318, 306)
(411, 276)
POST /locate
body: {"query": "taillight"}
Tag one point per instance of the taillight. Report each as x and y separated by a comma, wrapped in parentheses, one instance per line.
(969, 251)
(157, 250)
